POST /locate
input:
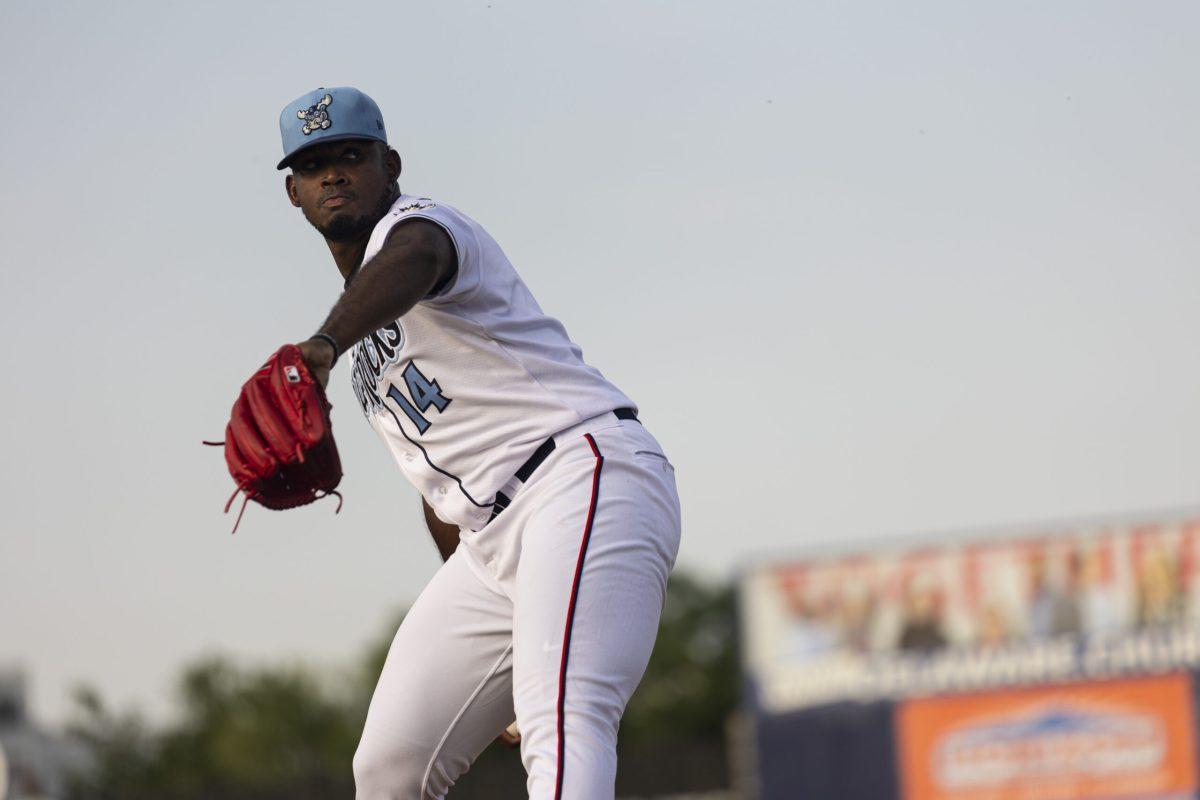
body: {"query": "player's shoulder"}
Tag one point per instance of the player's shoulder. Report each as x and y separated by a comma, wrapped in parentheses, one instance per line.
(413, 207)
(408, 205)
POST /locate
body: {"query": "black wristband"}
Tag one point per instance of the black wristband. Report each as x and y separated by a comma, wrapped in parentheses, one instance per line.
(325, 337)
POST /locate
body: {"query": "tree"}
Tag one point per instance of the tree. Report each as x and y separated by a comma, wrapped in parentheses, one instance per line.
(287, 732)
(259, 733)
(690, 686)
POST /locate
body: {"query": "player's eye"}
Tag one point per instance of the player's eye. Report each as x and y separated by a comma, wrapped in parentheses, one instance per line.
(352, 155)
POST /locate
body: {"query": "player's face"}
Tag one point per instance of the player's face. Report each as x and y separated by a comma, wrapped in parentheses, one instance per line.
(343, 188)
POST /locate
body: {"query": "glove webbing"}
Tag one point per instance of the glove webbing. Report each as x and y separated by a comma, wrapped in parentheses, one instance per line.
(250, 495)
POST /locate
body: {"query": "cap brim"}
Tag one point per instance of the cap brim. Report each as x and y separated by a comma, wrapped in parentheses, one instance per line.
(287, 160)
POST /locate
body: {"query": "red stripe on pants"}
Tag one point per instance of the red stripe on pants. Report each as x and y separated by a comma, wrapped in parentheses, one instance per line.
(566, 651)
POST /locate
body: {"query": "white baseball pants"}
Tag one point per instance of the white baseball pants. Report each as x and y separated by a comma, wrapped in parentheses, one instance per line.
(547, 615)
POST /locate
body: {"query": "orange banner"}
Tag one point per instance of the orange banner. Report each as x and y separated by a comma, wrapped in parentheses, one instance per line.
(1111, 739)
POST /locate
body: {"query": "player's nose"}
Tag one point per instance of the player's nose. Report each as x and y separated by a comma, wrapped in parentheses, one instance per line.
(333, 177)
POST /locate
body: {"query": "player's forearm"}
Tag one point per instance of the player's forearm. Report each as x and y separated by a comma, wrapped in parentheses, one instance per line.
(445, 535)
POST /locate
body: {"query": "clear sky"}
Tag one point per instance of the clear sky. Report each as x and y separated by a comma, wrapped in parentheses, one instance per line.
(869, 269)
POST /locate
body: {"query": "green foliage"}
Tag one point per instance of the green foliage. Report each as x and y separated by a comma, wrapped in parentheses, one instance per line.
(122, 746)
(286, 732)
(691, 683)
(243, 733)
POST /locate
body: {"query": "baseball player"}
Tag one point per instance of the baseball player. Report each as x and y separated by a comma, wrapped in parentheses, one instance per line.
(554, 508)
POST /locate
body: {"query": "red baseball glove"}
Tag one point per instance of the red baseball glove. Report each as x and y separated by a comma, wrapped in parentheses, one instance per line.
(279, 443)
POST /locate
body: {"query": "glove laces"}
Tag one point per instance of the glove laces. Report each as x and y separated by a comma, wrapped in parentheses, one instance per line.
(248, 496)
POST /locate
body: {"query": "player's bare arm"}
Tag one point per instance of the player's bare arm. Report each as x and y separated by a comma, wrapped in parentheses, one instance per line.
(417, 256)
(445, 535)
(343, 188)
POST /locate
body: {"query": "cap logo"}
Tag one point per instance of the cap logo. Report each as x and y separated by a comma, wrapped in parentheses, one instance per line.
(315, 117)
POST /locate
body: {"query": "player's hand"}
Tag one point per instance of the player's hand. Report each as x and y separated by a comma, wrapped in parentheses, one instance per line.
(318, 355)
(511, 736)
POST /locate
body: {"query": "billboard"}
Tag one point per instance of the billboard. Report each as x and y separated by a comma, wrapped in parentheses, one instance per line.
(1131, 738)
(1088, 602)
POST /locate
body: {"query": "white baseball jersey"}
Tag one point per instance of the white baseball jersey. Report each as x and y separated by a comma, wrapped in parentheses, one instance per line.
(466, 385)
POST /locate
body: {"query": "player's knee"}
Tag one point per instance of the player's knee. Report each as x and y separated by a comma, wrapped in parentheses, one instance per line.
(389, 774)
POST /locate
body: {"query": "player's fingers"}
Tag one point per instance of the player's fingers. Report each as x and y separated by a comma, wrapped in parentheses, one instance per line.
(511, 737)
(276, 432)
(249, 441)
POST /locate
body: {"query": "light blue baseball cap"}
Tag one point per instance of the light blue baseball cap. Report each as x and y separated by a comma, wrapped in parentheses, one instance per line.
(328, 115)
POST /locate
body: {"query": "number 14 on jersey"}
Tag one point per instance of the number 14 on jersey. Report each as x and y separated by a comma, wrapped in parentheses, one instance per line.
(424, 393)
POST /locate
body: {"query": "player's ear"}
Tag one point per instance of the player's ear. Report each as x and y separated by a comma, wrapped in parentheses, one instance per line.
(392, 159)
(289, 184)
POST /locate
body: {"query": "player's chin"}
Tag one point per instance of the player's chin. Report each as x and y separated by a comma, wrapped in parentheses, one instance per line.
(329, 215)
(343, 224)
(351, 209)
